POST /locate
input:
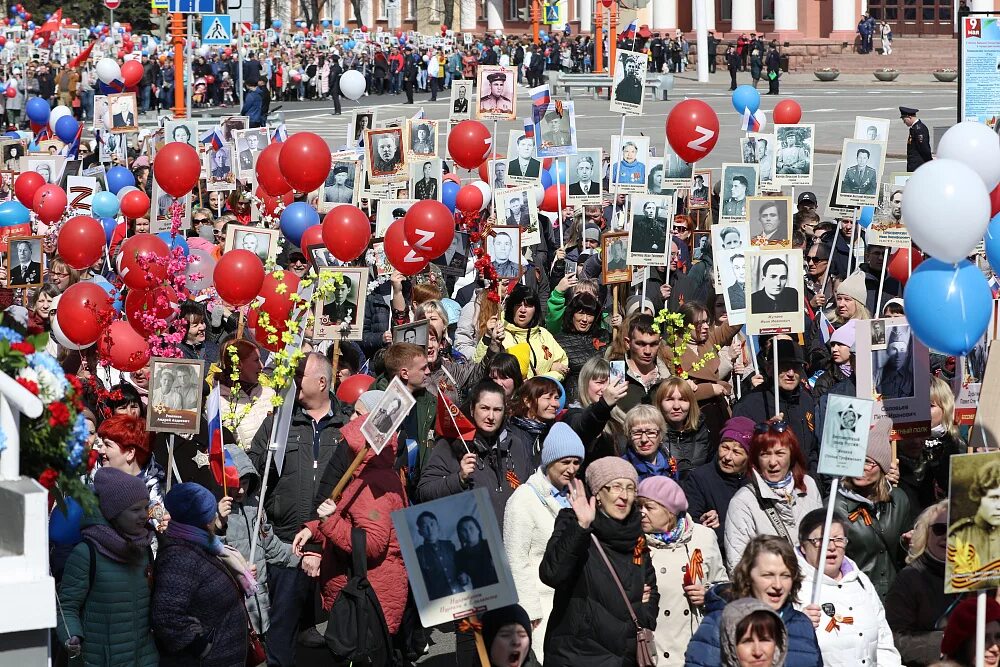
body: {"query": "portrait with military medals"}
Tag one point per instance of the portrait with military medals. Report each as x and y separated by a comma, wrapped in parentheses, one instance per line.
(497, 94)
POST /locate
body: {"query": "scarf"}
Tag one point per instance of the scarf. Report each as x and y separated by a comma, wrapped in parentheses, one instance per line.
(227, 555)
(675, 534)
(662, 466)
(846, 369)
(119, 547)
(783, 488)
(199, 536)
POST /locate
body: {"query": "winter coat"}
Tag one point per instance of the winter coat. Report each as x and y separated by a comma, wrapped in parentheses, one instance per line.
(917, 610)
(496, 460)
(589, 424)
(707, 488)
(703, 651)
(678, 619)
(925, 478)
(374, 492)
(875, 547)
(691, 447)
(867, 639)
(111, 617)
(198, 613)
(733, 615)
(378, 320)
(544, 354)
(239, 530)
(579, 348)
(746, 517)
(590, 624)
(527, 527)
(799, 411)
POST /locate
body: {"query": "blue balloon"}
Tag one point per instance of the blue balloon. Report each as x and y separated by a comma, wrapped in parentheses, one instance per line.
(66, 129)
(110, 225)
(175, 242)
(104, 205)
(118, 178)
(255, 26)
(13, 213)
(13, 135)
(557, 172)
(866, 216)
(276, 24)
(110, 289)
(948, 305)
(542, 33)
(64, 527)
(992, 240)
(336, 22)
(326, 23)
(449, 191)
(746, 98)
(38, 110)
(546, 179)
(296, 219)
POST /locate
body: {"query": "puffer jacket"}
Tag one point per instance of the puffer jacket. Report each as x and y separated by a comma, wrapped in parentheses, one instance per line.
(545, 352)
(678, 618)
(707, 488)
(704, 649)
(690, 447)
(527, 527)
(374, 492)
(917, 609)
(866, 639)
(732, 615)
(239, 530)
(873, 534)
(747, 518)
(111, 617)
(579, 348)
(497, 459)
(590, 624)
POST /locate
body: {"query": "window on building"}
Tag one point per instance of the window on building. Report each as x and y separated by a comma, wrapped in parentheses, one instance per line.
(726, 10)
(517, 5)
(766, 10)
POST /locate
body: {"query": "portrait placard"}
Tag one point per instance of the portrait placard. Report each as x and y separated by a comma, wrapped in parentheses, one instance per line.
(844, 443)
(758, 149)
(342, 185)
(888, 228)
(523, 166)
(362, 120)
(25, 261)
(124, 113)
(261, 241)
(649, 239)
(249, 144)
(867, 128)
(967, 385)
(861, 171)
(629, 83)
(341, 315)
(175, 391)
(677, 173)
(411, 332)
(985, 433)
(388, 415)
(455, 259)
(973, 558)
(730, 243)
(701, 189)
(518, 207)
(497, 93)
(218, 164)
(461, 93)
(388, 212)
(834, 207)
(793, 160)
(504, 249)
(770, 221)
(555, 132)
(425, 178)
(385, 158)
(628, 164)
(614, 259)
(774, 291)
(739, 181)
(422, 137)
(584, 171)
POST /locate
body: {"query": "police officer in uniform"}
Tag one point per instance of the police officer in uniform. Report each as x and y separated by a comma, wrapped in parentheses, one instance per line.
(496, 101)
(982, 531)
(918, 143)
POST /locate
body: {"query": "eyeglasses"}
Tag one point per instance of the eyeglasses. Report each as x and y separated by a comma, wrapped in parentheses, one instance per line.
(870, 465)
(939, 529)
(680, 228)
(837, 542)
(776, 427)
(618, 489)
(815, 260)
(652, 434)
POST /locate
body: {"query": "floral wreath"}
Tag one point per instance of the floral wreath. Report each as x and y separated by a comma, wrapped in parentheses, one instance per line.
(678, 335)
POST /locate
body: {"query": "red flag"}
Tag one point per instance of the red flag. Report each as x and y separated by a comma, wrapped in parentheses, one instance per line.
(55, 20)
(84, 55)
(445, 425)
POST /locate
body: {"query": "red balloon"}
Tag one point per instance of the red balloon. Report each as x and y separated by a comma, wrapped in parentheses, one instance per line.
(787, 112)
(346, 232)
(350, 390)
(271, 203)
(49, 203)
(403, 258)
(238, 277)
(994, 199)
(176, 168)
(131, 72)
(81, 309)
(81, 241)
(692, 130)
(210, 79)
(161, 302)
(10, 93)
(124, 347)
(305, 161)
(364, 28)
(143, 261)
(429, 227)
(453, 178)
(484, 169)
(902, 263)
(269, 176)
(469, 199)
(26, 185)
(469, 144)
(135, 204)
(312, 236)
(550, 202)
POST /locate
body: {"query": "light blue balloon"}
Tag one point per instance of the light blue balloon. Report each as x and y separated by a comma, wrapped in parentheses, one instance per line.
(746, 98)
(175, 242)
(104, 205)
(276, 24)
(948, 306)
(866, 216)
(110, 289)
(13, 213)
(557, 172)
(992, 239)
(449, 191)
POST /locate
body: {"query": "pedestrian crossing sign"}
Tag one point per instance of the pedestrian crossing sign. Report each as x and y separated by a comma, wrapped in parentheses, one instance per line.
(217, 29)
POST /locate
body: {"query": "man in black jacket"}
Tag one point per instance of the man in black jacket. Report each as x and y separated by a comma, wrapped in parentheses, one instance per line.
(290, 495)
(410, 72)
(336, 71)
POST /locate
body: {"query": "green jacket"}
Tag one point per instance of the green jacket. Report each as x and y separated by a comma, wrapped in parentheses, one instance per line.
(555, 310)
(876, 548)
(112, 618)
(425, 410)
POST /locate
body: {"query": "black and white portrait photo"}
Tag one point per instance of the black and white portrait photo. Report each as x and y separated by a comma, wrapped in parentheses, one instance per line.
(878, 335)
(730, 243)
(973, 555)
(461, 93)
(12, 152)
(182, 131)
(861, 169)
(386, 157)
(522, 164)
(628, 163)
(230, 124)
(425, 179)
(162, 220)
(219, 167)
(124, 113)
(175, 391)
(26, 261)
(892, 376)
(497, 95)
(498, 174)
(454, 557)
(517, 207)
(341, 314)
(893, 366)
(650, 221)
(615, 268)
(455, 259)
(261, 241)
(793, 158)
(770, 221)
(774, 291)
(739, 181)
(584, 172)
(249, 144)
(676, 172)
(389, 212)
(320, 256)
(701, 188)
(629, 83)
(758, 149)
(411, 332)
(112, 148)
(385, 419)
(871, 129)
(504, 249)
(49, 167)
(362, 121)
(556, 131)
(422, 134)
(341, 184)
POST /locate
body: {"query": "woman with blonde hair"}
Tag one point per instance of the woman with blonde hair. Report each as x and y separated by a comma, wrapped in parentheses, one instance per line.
(473, 322)
(687, 440)
(597, 399)
(644, 431)
(924, 463)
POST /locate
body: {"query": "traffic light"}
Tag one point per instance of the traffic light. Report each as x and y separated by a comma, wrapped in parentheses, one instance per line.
(524, 14)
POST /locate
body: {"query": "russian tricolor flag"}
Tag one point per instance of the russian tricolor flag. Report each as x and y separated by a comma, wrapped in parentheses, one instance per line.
(213, 137)
(218, 457)
(629, 32)
(541, 97)
(529, 128)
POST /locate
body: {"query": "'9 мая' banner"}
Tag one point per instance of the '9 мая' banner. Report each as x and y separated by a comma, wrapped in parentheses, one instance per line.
(980, 91)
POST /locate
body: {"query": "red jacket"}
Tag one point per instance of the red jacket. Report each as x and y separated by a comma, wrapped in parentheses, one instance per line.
(374, 492)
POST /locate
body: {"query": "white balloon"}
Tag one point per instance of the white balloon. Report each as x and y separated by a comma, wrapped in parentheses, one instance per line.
(976, 146)
(58, 113)
(108, 70)
(487, 193)
(946, 209)
(204, 51)
(539, 192)
(352, 84)
(60, 337)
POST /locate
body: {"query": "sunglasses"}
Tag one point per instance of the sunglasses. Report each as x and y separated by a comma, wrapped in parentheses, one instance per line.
(814, 260)
(775, 427)
(680, 228)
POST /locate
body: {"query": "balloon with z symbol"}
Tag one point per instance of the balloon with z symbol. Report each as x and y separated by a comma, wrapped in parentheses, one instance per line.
(692, 130)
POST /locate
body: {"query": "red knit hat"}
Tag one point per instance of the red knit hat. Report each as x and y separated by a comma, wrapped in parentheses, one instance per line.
(962, 624)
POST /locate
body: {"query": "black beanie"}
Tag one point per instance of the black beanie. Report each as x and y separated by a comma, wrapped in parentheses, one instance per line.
(495, 619)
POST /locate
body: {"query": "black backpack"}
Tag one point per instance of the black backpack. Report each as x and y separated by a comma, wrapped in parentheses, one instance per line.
(357, 632)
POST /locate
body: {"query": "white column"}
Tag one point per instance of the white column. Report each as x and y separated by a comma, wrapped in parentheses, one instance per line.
(786, 15)
(367, 13)
(744, 16)
(843, 16)
(563, 17)
(468, 15)
(585, 13)
(664, 15)
(494, 15)
(980, 6)
(709, 13)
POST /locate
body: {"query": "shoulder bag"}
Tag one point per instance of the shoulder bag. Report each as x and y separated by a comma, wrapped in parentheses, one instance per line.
(645, 649)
